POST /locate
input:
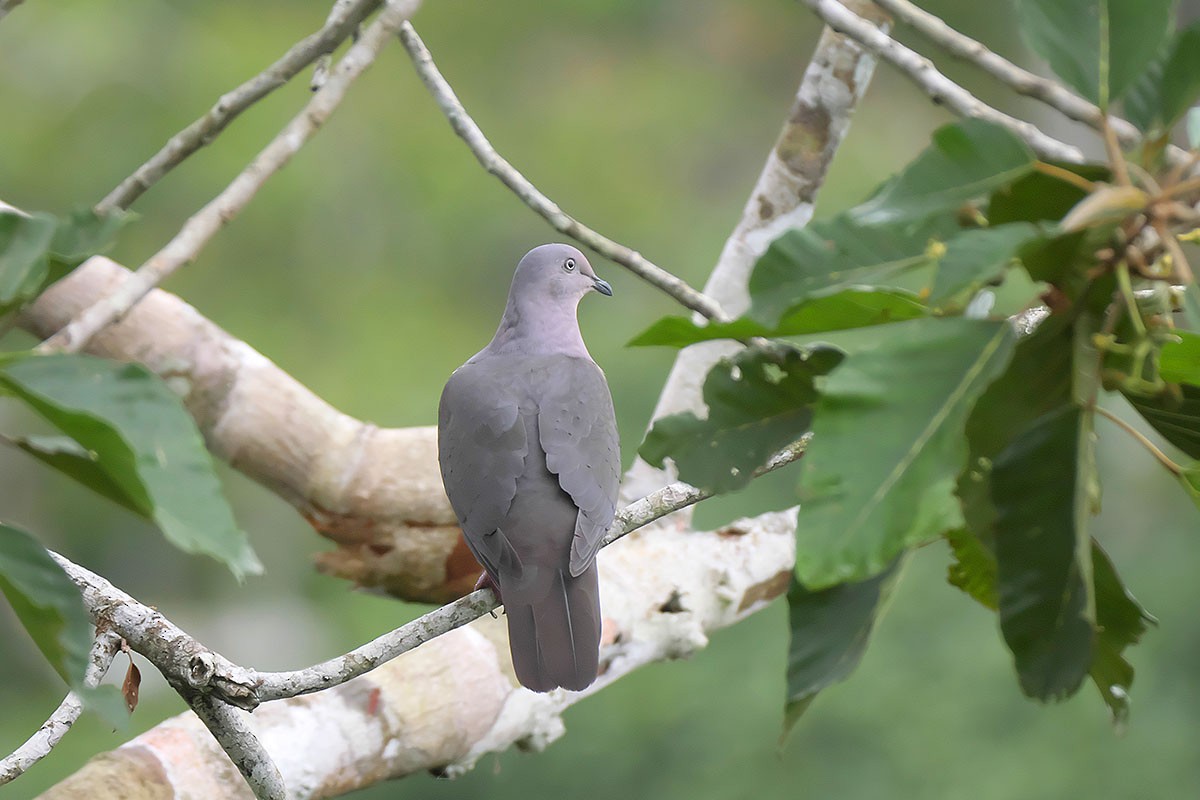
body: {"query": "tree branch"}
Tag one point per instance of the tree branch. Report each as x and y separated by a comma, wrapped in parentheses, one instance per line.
(446, 704)
(940, 89)
(39, 745)
(242, 746)
(192, 668)
(1016, 78)
(376, 492)
(783, 197)
(225, 207)
(529, 194)
(344, 17)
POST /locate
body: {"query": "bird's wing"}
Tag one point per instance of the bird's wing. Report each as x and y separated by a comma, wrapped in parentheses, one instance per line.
(482, 445)
(578, 431)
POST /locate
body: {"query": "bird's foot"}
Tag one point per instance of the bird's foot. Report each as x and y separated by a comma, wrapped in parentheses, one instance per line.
(485, 582)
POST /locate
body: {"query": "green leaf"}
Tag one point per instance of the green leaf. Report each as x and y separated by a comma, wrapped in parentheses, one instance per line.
(1170, 85)
(84, 233)
(976, 257)
(966, 160)
(70, 458)
(1040, 490)
(974, 567)
(849, 308)
(887, 444)
(24, 241)
(47, 603)
(758, 402)
(1174, 415)
(1190, 478)
(1120, 623)
(143, 440)
(829, 633)
(832, 256)
(1038, 197)
(1099, 47)
(1179, 362)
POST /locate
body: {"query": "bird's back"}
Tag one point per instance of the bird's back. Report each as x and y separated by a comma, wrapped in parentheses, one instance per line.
(517, 518)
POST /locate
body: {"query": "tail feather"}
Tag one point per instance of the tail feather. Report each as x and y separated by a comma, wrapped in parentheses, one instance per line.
(556, 640)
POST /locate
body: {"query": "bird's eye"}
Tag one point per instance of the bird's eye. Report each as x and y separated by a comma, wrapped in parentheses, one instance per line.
(569, 265)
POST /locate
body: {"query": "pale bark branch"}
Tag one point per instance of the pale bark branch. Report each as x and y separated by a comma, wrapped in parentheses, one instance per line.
(783, 197)
(530, 195)
(201, 227)
(39, 745)
(1020, 80)
(192, 668)
(937, 86)
(344, 17)
(242, 746)
(1016, 78)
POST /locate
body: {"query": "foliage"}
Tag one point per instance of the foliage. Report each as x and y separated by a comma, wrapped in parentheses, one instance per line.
(127, 437)
(981, 431)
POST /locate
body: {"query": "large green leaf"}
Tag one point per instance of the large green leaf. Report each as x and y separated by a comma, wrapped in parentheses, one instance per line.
(976, 257)
(758, 402)
(1099, 47)
(966, 160)
(1120, 623)
(1169, 86)
(887, 444)
(1179, 361)
(849, 308)
(1175, 416)
(829, 633)
(142, 439)
(24, 241)
(1038, 380)
(46, 602)
(1040, 487)
(831, 256)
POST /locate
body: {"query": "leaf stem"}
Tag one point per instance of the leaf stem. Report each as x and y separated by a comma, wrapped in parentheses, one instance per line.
(1116, 158)
(1065, 175)
(1159, 455)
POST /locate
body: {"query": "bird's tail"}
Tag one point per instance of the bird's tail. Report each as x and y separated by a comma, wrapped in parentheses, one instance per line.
(555, 641)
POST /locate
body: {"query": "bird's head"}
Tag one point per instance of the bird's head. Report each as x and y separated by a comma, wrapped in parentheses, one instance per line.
(557, 272)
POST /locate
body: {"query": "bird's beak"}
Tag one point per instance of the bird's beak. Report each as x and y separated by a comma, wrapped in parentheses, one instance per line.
(602, 287)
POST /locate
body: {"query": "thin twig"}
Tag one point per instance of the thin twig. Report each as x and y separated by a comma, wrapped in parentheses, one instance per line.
(192, 667)
(201, 227)
(493, 162)
(344, 17)
(39, 745)
(1159, 455)
(229, 728)
(940, 89)
(1016, 78)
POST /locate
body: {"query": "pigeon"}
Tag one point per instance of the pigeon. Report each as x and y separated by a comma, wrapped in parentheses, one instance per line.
(530, 459)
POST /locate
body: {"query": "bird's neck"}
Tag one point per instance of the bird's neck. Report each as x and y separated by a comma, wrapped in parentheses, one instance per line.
(540, 331)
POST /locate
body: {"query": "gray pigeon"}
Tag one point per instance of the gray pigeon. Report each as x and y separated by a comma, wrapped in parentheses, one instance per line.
(527, 442)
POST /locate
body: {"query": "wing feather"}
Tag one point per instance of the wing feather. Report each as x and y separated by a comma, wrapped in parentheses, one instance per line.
(578, 431)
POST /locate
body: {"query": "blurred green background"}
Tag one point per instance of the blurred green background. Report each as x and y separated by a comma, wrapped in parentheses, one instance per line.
(377, 261)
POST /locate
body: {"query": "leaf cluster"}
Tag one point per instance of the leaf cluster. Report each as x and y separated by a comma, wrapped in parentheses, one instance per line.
(955, 413)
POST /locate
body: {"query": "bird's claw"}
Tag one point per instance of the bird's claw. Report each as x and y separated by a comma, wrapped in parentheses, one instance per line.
(485, 582)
